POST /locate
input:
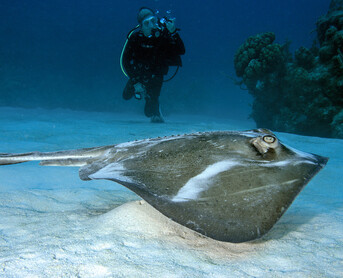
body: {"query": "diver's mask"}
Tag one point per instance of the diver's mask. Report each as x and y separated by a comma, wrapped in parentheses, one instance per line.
(150, 25)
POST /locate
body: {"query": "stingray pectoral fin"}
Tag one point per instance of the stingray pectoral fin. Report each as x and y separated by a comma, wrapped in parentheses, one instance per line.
(77, 157)
(245, 202)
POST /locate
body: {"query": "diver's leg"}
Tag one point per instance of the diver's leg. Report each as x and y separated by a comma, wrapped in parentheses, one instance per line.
(129, 90)
(152, 107)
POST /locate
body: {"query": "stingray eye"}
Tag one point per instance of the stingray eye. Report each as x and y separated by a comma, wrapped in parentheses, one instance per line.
(269, 139)
(265, 144)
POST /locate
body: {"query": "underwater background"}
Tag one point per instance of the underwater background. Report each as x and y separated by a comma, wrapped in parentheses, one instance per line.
(62, 54)
(61, 88)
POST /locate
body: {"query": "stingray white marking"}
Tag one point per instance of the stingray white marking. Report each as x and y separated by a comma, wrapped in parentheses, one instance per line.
(201, 182)
(250, 133)
(145, 144)
(277, 164)
(111, 171)
(265, 187)
(151, 142)
(284, 163)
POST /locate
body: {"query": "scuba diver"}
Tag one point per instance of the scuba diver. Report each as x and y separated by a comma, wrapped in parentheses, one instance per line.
(150, 49)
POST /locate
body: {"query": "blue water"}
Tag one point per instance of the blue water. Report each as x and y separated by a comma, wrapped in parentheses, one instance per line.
(66, 54)
(61, 60)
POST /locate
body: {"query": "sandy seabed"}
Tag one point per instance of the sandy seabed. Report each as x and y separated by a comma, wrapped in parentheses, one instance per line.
(54, 225)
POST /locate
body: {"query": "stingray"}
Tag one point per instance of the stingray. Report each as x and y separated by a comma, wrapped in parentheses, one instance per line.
(227, 185)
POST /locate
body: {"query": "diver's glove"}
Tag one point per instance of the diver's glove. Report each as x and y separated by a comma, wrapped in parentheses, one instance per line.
(140, 91)
(170, 25)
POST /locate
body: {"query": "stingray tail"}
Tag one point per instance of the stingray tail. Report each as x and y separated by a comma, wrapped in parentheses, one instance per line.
(78, 157)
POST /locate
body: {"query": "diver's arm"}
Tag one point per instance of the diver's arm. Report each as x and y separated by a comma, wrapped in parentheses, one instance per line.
(177, 44)
(173, 42)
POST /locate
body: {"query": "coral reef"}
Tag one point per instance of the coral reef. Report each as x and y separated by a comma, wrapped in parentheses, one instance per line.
(301, 94)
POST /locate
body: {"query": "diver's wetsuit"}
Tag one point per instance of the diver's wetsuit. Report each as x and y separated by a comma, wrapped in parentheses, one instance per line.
(147, 60)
